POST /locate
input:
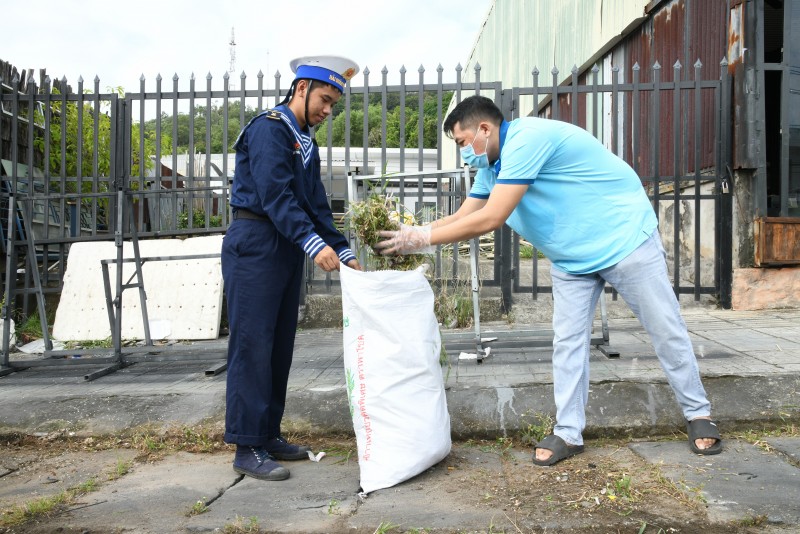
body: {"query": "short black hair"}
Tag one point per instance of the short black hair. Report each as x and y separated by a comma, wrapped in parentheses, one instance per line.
(470, 111)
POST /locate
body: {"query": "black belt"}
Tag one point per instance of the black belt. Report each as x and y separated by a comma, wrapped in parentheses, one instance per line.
(245, 214)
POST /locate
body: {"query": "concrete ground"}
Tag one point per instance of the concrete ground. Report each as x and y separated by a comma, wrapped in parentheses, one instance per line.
(750, 363)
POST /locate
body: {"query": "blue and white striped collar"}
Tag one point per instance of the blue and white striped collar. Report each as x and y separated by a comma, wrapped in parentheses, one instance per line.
(303, 138)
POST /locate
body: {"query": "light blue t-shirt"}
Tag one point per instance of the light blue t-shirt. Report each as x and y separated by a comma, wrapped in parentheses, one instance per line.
(585, 208)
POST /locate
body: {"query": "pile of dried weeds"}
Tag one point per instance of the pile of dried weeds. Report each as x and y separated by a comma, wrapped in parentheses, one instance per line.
(367, 218)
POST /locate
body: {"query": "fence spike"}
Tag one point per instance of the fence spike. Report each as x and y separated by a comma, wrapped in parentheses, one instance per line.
(158, 77)
(384, 70)
(226, 76)
(677, 65)
(459, 68)
(141, 77)
(366, 71)
(535, 71)
(574, 69)
(698, 64)
(208, 76)
(440, 69)
(724, 62)
(656, 65)
(554, 71)
(636, 66)
(595, 68)
(80, 79)
(421, 69)
(175, 77)
(260, 74)
(192, 78)
(403, 69)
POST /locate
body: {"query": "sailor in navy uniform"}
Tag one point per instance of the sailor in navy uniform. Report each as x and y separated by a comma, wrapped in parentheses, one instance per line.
(280, 215)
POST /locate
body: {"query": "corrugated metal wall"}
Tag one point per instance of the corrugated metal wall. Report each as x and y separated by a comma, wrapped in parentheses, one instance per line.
(522, 34)
(684, 31)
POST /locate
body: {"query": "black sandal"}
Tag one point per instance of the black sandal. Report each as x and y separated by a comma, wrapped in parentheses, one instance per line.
(560, 448)
(703, 429)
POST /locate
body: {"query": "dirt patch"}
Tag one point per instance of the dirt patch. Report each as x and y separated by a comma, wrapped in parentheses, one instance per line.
(605, 489)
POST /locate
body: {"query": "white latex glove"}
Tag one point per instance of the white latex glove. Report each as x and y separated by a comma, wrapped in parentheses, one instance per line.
(406, 240)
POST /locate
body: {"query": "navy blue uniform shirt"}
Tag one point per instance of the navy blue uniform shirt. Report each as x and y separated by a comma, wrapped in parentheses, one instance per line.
(278, 175)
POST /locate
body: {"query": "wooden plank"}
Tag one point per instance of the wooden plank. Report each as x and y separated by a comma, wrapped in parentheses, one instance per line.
(777, 241)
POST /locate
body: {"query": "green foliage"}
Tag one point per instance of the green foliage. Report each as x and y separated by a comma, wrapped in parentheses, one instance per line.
(430, 124)
(198, 220)
(184, 124)
(536, 430)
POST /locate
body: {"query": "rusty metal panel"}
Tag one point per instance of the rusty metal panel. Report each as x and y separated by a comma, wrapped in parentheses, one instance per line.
(777, 241)
(679, 32)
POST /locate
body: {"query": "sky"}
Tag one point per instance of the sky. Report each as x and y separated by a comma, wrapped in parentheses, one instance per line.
(120, 44)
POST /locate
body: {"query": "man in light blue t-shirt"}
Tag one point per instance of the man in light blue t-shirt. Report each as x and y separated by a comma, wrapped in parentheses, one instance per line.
(585, 209)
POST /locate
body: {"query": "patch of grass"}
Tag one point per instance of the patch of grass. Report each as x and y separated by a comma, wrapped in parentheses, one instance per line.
(242, 525)
(526, 252)
(343, 453)
(31, 328)
(620, 488)
(753, 521)
(45, 506)
(385, 526)
(453, 305)
(122, 469)
(89, 344)
(535, 428)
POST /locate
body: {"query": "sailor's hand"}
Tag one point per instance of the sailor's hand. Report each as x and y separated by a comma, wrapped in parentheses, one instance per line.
(327, 260)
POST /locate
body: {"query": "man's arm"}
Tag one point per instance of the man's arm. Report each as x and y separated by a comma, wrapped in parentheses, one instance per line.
(478, 218)
(491, 216)
(470, 205)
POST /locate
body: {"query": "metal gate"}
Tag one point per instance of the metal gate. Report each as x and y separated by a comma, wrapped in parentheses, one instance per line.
(676, 135)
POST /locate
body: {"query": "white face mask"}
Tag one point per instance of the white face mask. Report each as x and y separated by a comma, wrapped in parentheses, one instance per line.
(474, 160)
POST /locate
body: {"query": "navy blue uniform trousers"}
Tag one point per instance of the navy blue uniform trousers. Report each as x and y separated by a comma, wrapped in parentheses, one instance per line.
(262, 272)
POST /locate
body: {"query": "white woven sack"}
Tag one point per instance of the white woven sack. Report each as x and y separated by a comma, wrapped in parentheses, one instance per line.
(394, 380)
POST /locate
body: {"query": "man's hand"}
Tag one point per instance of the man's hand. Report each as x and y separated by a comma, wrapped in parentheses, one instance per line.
(406, 240)
(327, 260)
(353, 264)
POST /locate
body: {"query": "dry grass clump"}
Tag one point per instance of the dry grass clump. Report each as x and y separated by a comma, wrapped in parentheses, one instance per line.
(369, 217)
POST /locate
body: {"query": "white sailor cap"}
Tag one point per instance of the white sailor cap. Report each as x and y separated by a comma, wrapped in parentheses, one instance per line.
(335, 70)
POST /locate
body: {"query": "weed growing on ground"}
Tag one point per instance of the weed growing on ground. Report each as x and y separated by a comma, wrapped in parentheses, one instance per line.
(46, 505)
(385, 527)
(198, 508)
(534, 428)
(333, 507)
(121, 470)
(242, 525)
(89, 344)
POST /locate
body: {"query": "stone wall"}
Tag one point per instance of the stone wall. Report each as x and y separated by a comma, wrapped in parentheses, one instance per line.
(762, 289)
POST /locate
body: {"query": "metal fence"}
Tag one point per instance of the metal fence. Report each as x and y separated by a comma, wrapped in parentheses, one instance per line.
(94, 146)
